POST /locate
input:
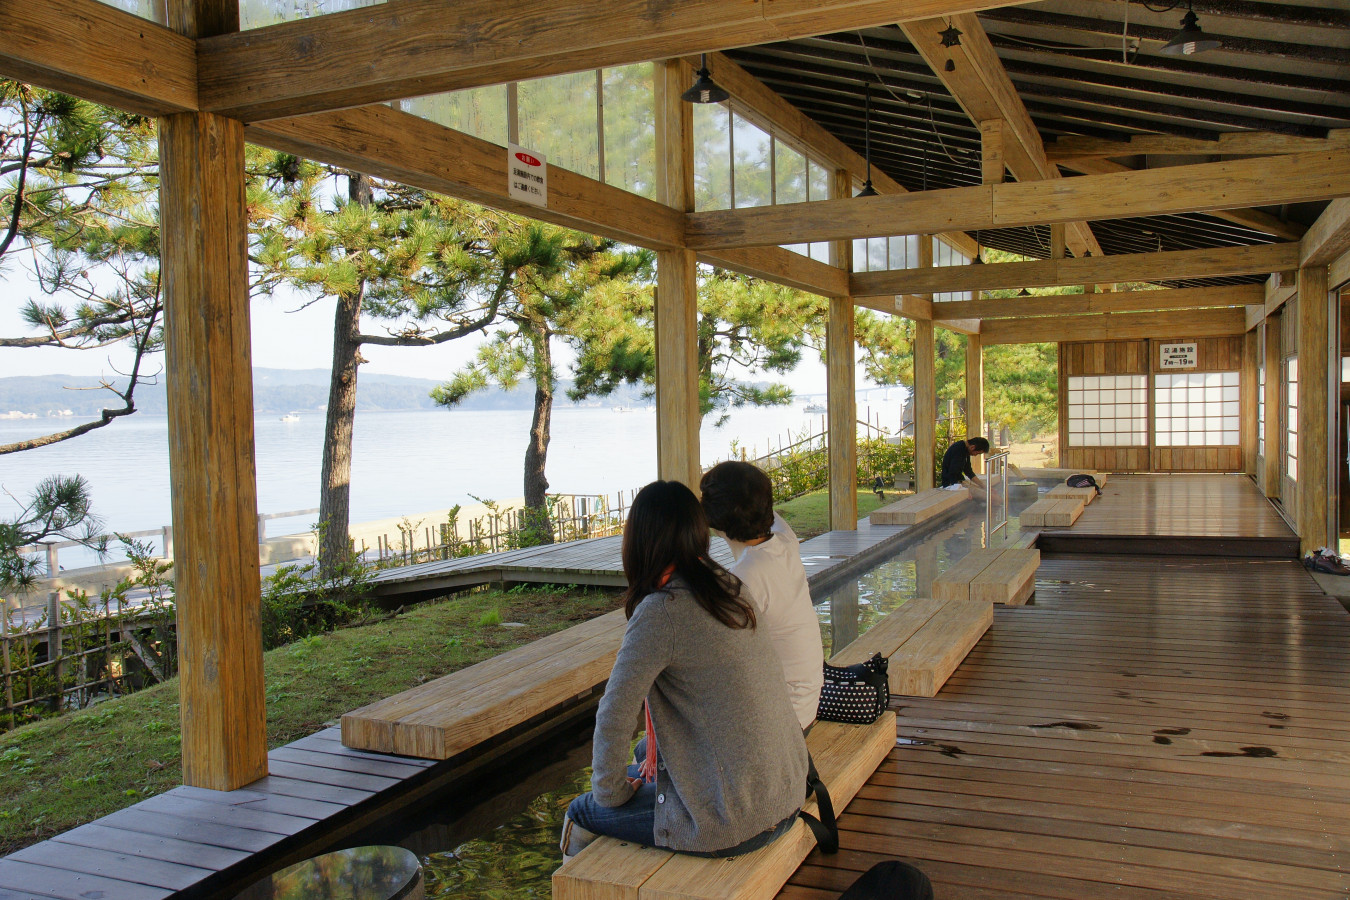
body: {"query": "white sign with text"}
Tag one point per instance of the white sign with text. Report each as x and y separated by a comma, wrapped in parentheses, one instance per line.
(1176, 356)
(527, 175)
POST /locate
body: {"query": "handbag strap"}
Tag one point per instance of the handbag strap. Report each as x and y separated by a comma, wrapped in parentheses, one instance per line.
(825, 828)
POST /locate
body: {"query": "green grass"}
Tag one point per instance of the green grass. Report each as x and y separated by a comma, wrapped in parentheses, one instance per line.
(60, 773)
(809, 514)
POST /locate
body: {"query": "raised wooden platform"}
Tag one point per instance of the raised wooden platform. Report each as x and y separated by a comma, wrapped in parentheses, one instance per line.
(1151, 729)
(1052, 513)
(1171, 515)
(1064, 492)
(919, 508)
(1007, 577)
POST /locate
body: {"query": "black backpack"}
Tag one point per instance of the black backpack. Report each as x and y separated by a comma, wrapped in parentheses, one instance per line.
(1082, 481)
(890, 880)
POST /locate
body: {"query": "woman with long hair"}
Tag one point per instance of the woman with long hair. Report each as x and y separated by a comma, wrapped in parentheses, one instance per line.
(725, 766)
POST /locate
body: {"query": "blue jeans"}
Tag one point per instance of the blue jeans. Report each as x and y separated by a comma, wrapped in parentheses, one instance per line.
(635, 821)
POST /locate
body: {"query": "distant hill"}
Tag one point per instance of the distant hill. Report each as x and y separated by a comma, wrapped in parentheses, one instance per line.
(274, 391)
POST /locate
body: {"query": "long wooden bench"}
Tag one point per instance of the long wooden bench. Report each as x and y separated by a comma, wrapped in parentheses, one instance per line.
(1051, 513)
(845, 755)
(1059, 475)
(1006, 576)
(1064, 492)
(918, 508)
(925, 640)
(446, 716)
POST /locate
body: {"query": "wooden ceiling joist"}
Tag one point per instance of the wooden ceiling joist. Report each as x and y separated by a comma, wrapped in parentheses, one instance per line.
(1103, 302)
(91, 50)
(1181, 189)
(411, 48)
(1169, 266)
(1329, 236)
(1112, 327)
(1237, 143)
(782, 267)
(974, 76)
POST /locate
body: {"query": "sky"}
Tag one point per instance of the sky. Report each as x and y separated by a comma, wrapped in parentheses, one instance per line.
(287, 334)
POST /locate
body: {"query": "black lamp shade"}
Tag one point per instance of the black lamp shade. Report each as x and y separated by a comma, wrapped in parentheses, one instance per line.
(705, 90)
(867, 190)
(1190, 39)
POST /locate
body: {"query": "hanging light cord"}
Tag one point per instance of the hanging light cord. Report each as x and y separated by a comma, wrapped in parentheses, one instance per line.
(927, 96)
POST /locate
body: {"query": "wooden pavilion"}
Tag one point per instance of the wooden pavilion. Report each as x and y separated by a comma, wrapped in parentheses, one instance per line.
(1214, 176)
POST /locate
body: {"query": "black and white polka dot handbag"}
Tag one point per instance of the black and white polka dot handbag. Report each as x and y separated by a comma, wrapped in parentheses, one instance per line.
(855, 694)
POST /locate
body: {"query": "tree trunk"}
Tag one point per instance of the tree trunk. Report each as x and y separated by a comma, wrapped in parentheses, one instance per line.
(536, 452)
(335, 496)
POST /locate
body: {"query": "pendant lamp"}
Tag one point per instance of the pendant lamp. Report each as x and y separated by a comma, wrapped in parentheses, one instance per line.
(867, 189)
(1190, 39)
(705, 90)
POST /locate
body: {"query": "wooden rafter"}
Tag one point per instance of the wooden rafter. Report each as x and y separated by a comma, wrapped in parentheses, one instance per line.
(91, 50)
(1113, 327)
(1174, 264)
(1237, 143)
(1103, 302)
(1182, 189)
(974, 76)
(410, 48)
(1329, 236)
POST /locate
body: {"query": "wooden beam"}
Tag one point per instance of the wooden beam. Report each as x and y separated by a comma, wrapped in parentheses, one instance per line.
(678, 416)
(1256, 314)
(1248, 218)
(1329, 236)
(1314, 337)
(925, 388)
(411, 48)
(1115, 327)
(960, 326)
(91, 50)
(841, 400)
(1238, 143)
(992, 165)
(1338, 273)
(1278, 291)
(1172, 264)
(387, 143)
(782, 267)
(975, 391)
(766, 108)
(1180, 189)
(974, 75)
(213, 475)
(1107, 301)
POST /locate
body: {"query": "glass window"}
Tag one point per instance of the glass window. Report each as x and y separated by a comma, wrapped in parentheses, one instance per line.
(1291, 432)
(1108, 411)
(257, 13)
(818, 186)
(712, 156)
(146, 9)
(1196, 409)
(789, 174)
(559, 117)
(1261, 410)
(480, 112)
(860, 259)
(752, 175)
(630, 128)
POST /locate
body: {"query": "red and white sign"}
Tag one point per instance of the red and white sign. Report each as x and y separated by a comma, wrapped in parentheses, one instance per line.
(526, 175)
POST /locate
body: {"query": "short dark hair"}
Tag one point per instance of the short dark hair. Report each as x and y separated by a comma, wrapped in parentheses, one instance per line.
(667, 535)
(980, 444)
(738, 500)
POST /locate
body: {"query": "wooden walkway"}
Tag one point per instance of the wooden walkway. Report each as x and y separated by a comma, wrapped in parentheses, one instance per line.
(1150, 728)
(598, 561)
(1208, 515)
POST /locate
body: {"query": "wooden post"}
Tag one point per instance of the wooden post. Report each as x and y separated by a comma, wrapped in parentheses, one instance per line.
(844, 609)
(1274, 439)
(1057, 242)
(54, 652)
(925, 387)
(841, 404)
(677, 401)
(991, 151)
(1251, 349)
(975, 393)
(1314, 361)
(211, 456)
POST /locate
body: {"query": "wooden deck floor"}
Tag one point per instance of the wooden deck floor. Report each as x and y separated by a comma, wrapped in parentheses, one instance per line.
(1178, 515)
(1149, 728)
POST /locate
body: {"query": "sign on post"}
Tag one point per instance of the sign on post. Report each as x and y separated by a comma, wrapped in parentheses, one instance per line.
(1176, 356)
(526, 176)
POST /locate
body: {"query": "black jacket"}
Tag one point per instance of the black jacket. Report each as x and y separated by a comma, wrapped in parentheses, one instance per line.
(956, 466)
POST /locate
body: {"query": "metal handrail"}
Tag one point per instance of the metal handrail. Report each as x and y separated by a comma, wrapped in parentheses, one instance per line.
(997, 462)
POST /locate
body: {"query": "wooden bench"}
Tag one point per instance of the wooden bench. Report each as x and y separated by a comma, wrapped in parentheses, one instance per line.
(447, 716)
(1059, 475)
(919, 508)
(993, 575)
(845, 755)
(925, 640)
(1051, 513)
(1064, 492)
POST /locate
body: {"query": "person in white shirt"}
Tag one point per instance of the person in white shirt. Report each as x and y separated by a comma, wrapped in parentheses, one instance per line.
(738, 500)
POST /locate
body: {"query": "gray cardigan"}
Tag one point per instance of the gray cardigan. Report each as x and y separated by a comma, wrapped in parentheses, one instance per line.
(732, 755)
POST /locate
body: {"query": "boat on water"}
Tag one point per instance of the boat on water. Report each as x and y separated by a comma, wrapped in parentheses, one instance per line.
(291, 417)
(813, 408)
